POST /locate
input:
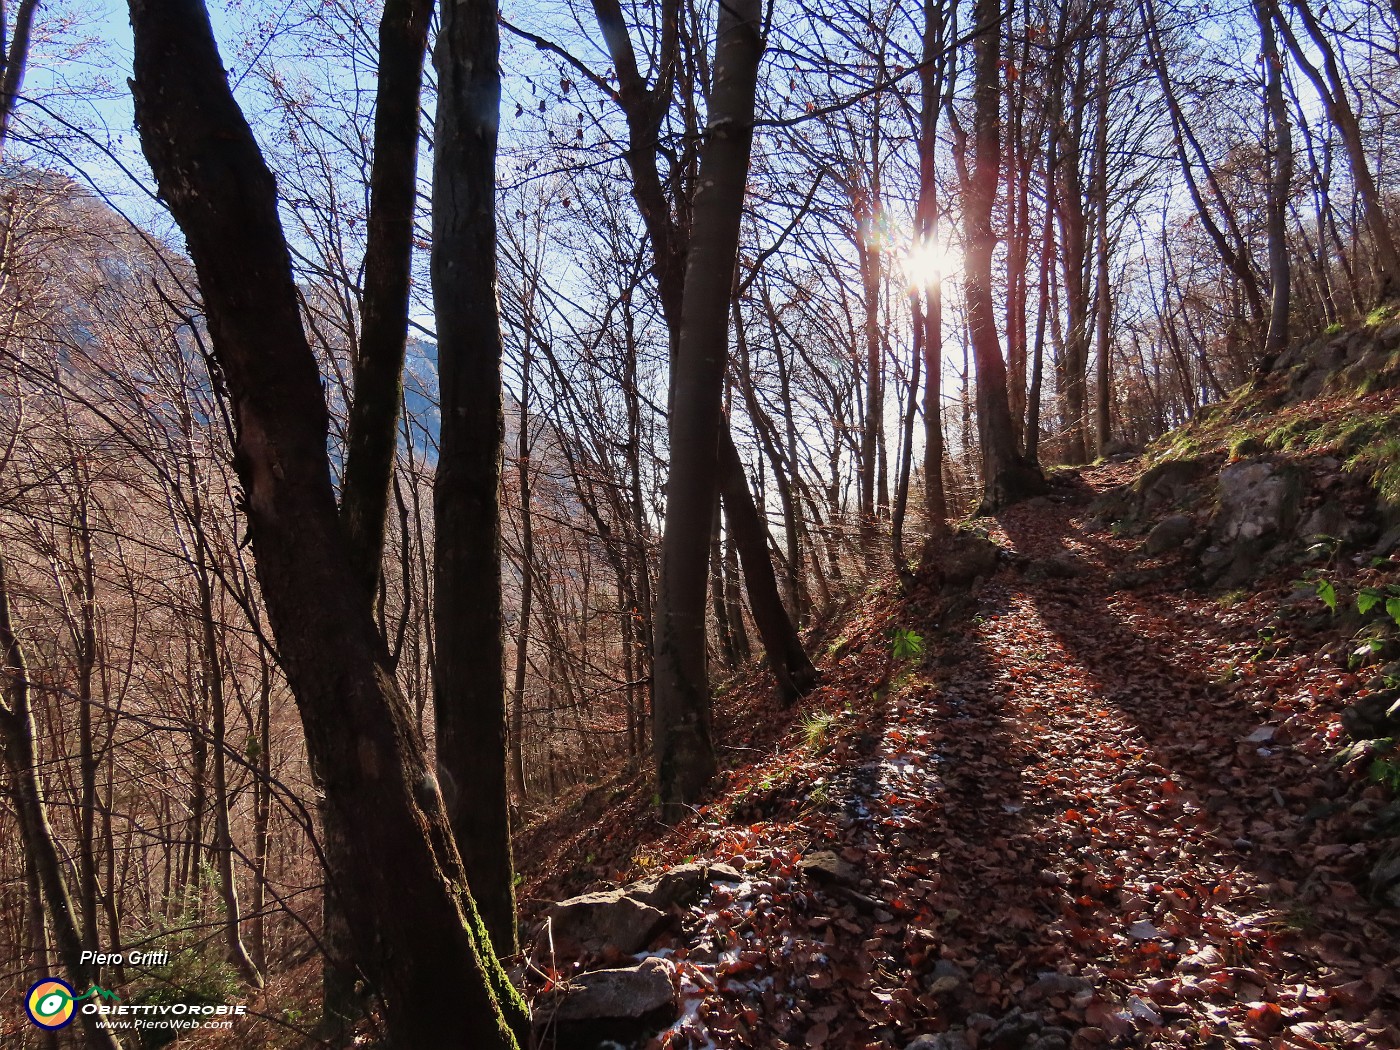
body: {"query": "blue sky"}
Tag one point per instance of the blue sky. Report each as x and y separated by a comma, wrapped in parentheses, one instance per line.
(78, 77)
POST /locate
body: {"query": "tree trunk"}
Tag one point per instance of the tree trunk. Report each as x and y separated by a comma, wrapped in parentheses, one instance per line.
(868, 248)
(791, 667)
(783, 471)
(734, 594)
(931, 86)
(1231, 250)
(1006, 477)
(644, 109)
(1333, 90)
(414, 923)
(262, 808)
(1047, 263)
(1103, 312)
(371, 435)
(371, 432)
(527, 582)
(38, 934)
(41, 847)
(1281, 159)
(214, 690)
(470, 679)
(685, 759)
(719, 600)
(906, 443)
(15, 61)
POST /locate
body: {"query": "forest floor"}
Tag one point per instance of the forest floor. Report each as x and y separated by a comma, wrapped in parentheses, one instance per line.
(1086, 816)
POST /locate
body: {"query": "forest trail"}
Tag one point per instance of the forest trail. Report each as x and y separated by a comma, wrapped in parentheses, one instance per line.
(1088, 817)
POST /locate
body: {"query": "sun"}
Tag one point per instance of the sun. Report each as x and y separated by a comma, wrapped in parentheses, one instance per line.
(930, 261)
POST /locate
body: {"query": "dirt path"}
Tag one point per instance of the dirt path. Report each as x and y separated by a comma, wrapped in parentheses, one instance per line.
(1088, 819)
(1111, 808)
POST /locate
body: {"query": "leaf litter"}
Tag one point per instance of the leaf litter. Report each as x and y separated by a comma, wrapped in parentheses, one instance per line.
(1064, 827)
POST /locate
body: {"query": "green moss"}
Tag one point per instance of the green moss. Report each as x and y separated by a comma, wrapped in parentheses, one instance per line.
(1295, 434)
(1262, 416)
(1243, 445)
(1230, 599)
(1381, 461)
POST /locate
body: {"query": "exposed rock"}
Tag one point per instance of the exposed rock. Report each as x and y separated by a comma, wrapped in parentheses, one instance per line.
(1115, 504)
(681, 886)
(620, 1005)
(1118, 447)
(1385, 879)
(1062, 565)
(1369, 371)
(1295, 355)
(1331, 521)
(1015, 1031)
(953, 1039)
(1167, 483)
(1257, 507)
(967, 557)
(826, 866)
(1374, 716)
(1389, 541)
(947, 978)
(1051, 983)
(1168, 534)
(948, 968)
(1316, 363)
(1258, 500)
(590, 923)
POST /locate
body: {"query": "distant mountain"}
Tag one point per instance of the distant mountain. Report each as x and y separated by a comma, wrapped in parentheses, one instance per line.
(420, 385)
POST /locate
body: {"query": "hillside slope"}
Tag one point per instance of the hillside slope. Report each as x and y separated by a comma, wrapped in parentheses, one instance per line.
(1111, 803)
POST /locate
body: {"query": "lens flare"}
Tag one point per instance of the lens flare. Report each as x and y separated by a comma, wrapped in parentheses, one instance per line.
(929, 262)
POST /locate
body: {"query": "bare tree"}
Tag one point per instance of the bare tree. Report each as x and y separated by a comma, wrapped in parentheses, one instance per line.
(415, 926)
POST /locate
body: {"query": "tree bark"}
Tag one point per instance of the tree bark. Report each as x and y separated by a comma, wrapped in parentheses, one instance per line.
(932, 77)
(527, 581)
(470, 675)
(15, 61)
(644, 108)
(414, 923)
(372, 430)
(871, 269)
(1006, 477)
(789, 661)
(1281, 161)
(1047, 263)
(906, 443)
(685, 759)
(1103, 304)
(719, 599)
